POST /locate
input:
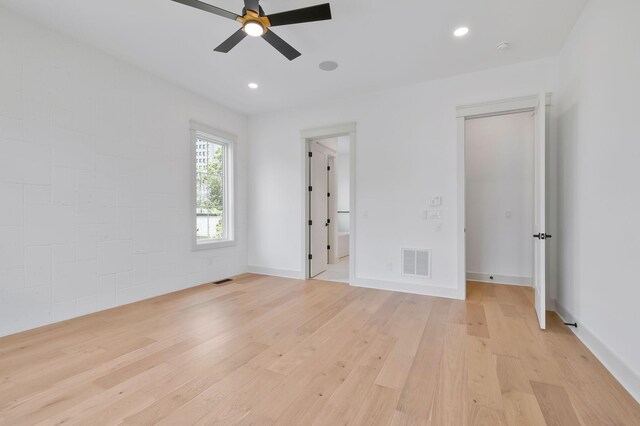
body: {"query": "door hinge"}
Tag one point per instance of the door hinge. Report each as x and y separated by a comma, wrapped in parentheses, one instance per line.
(542, 236)
(328, 194)
(328, 220)
(311, 154)
(328, 168)
(310, 188)
(310, 222)
(310, 257)
(328, 247)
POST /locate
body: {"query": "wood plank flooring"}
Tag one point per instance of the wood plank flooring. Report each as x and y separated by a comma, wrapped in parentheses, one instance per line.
(264, 350)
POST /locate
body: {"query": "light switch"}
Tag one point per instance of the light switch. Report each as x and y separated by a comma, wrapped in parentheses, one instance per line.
(436, 201)
(507, 214)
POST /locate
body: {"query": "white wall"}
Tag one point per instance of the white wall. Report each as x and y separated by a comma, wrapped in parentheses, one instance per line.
(599, 199)
(406, 153)
(342, 181)
(94, 181)
(499, 198)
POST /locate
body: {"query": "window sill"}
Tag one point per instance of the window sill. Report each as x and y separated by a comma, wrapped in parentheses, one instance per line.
(206, 245)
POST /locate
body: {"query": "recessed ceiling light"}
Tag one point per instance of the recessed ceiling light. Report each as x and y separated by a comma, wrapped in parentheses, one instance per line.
(254, 28)
(253, 85)
(328, 65)
(461, 32)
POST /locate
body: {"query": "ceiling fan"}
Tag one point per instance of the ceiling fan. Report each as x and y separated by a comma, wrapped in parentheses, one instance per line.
(256, 24)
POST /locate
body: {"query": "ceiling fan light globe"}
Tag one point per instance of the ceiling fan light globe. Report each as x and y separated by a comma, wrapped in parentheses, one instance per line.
(254, 29)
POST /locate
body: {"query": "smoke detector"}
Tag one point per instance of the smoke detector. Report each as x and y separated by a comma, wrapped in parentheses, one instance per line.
(505, 45)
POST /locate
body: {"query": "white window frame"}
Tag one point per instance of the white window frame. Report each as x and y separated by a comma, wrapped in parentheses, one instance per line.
(228, 141)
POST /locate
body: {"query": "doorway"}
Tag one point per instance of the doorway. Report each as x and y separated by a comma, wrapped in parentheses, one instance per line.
(501, 193)
(328, 211)
(329, 204)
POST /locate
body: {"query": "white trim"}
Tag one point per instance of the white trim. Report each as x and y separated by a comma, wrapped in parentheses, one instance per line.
(211, 244)
(499, 279)
(224, 136)
(500, 107)
(348, 129)
(399, 287)
(426, 290)
(463, 113)
(563, 313)
(329, 131)
(627, 377)
(275, 272)
(230, 142)
(352, 201)
(461, 224)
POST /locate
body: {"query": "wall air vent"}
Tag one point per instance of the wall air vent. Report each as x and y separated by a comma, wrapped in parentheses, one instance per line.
(416, 262)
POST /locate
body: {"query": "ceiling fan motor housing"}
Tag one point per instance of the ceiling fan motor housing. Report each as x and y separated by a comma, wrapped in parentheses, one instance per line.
(257, 24)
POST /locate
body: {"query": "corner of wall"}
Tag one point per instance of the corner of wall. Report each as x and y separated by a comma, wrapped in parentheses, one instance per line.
(629, 379)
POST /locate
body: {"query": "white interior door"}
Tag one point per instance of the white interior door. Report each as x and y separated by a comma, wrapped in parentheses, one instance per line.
(318, 208)
(540, 235)
(332, 211)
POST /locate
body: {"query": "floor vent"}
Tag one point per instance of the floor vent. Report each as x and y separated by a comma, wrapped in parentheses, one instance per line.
(416, 263)
(226, 280)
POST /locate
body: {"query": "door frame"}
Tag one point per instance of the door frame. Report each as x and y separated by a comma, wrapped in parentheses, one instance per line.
(464, 113)
(347, 129)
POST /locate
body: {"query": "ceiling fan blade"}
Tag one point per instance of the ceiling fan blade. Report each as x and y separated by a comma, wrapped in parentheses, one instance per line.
(320, 12)
(231, 42)
(208, 8)
(281, 46)
(252, 5)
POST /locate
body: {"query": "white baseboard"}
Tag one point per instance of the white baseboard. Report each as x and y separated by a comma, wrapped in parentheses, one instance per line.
(627, 377)
(285, 273)
(499, 279)
(425, 290)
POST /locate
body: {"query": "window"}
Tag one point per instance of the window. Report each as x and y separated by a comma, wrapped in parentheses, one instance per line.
(212, 187)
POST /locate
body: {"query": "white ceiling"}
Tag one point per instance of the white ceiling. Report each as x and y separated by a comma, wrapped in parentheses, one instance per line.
(378, 44)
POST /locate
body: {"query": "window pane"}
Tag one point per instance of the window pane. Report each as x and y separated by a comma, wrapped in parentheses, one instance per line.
(209, 225)
(210, 191)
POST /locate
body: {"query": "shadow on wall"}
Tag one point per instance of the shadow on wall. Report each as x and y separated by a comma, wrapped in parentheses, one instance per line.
(568, 211)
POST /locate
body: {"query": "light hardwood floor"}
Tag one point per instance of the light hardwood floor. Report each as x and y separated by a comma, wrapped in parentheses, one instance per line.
(266, 350)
